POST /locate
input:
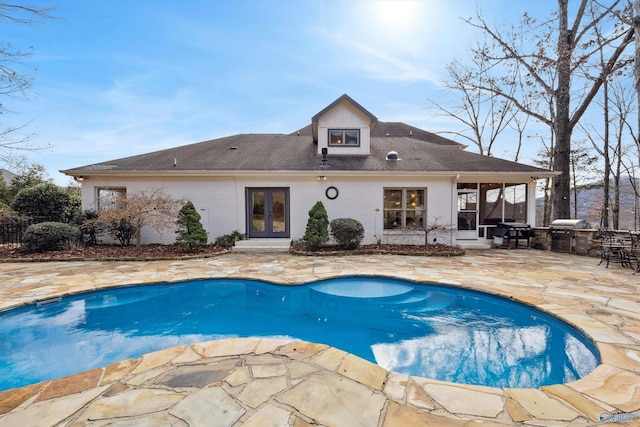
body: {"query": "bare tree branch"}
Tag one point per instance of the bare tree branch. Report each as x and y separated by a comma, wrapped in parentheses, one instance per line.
(150, 207)
(606, 71)
(16, 77)
(547, 74)
(483, 114)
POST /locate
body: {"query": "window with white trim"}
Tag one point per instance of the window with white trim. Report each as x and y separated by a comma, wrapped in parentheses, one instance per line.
(344, 137)
(404, 208)
(109, 197)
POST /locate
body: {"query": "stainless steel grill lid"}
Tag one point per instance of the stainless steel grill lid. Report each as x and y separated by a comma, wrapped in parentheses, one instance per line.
(570, 224)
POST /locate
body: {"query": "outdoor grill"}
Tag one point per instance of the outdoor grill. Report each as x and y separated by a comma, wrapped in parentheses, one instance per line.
(514, 232)
(563, 237)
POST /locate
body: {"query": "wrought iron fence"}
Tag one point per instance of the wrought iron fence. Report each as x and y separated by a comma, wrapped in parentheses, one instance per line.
(12, 228)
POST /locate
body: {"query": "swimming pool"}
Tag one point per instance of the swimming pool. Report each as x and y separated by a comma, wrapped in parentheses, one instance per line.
(427, 330)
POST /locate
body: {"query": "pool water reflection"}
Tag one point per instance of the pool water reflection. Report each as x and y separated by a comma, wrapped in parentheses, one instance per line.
(425, 330)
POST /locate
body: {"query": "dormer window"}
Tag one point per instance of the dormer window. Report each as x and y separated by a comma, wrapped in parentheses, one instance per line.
(344, 137)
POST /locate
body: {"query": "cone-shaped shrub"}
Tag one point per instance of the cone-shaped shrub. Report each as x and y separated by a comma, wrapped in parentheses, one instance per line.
(190, 231)
(317, 232)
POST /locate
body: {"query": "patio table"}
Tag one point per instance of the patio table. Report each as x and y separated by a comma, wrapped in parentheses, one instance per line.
(615, 249)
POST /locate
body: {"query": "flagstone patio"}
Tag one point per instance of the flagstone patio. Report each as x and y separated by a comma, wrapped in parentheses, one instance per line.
(266, 382)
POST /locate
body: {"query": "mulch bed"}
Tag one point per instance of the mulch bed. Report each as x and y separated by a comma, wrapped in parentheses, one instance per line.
(165, 252)
(111, 252)
(418, 250)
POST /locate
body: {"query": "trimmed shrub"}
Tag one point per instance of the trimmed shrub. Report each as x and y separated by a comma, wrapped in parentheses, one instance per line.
(190, 231)
(45, 200)
(50, 236)
(317, 232)
(123, 231)
(228, 240)
(348, 232)
(91, 227)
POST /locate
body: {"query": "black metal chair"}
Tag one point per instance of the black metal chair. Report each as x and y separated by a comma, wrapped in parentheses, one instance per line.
(635, 249)
(613, 249)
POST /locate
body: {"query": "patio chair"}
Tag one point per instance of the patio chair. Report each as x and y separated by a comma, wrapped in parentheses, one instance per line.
(613, 249)
(635, 249)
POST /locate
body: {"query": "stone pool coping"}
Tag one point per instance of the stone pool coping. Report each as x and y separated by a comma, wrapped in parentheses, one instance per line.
(304, 383)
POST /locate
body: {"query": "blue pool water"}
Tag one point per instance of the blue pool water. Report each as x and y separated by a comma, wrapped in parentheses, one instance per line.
(431, 331)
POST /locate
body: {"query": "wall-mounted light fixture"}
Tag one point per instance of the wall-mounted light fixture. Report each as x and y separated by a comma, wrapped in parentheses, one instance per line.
(322, 178)
(325, 153)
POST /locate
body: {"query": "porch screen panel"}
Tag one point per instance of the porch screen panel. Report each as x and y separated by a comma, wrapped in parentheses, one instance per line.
(515, 203)
(491, 203)
(503, 203)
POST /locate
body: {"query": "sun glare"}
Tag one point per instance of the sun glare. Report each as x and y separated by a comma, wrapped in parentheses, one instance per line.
(397, 15)
(406, 24)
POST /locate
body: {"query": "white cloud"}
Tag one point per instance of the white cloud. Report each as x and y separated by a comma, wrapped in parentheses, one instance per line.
(385, 66)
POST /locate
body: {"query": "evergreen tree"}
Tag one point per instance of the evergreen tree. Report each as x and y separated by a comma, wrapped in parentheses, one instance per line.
(317, 232)
(190, 231)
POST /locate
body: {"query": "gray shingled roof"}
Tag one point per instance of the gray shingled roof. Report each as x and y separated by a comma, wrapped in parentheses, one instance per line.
(422, 152)
(395, 129)
(348, 99)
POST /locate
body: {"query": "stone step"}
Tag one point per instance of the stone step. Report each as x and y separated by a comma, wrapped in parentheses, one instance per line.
(262, 245)
(475, 244)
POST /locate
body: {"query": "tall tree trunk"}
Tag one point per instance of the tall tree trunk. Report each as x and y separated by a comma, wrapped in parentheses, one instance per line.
(617, 176)
(615, 206)
(562, 125)
(636, 24)
(574, 187)
(604, 220)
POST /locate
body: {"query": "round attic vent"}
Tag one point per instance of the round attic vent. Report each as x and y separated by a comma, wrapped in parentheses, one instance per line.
(392, 155)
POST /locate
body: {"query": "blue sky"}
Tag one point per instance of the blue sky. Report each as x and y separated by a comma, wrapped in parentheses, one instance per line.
(123, 77)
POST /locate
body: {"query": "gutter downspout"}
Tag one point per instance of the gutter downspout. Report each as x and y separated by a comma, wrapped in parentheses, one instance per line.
(454, 208)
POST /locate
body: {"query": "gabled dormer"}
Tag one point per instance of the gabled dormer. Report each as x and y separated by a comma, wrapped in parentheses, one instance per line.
(344, 128)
